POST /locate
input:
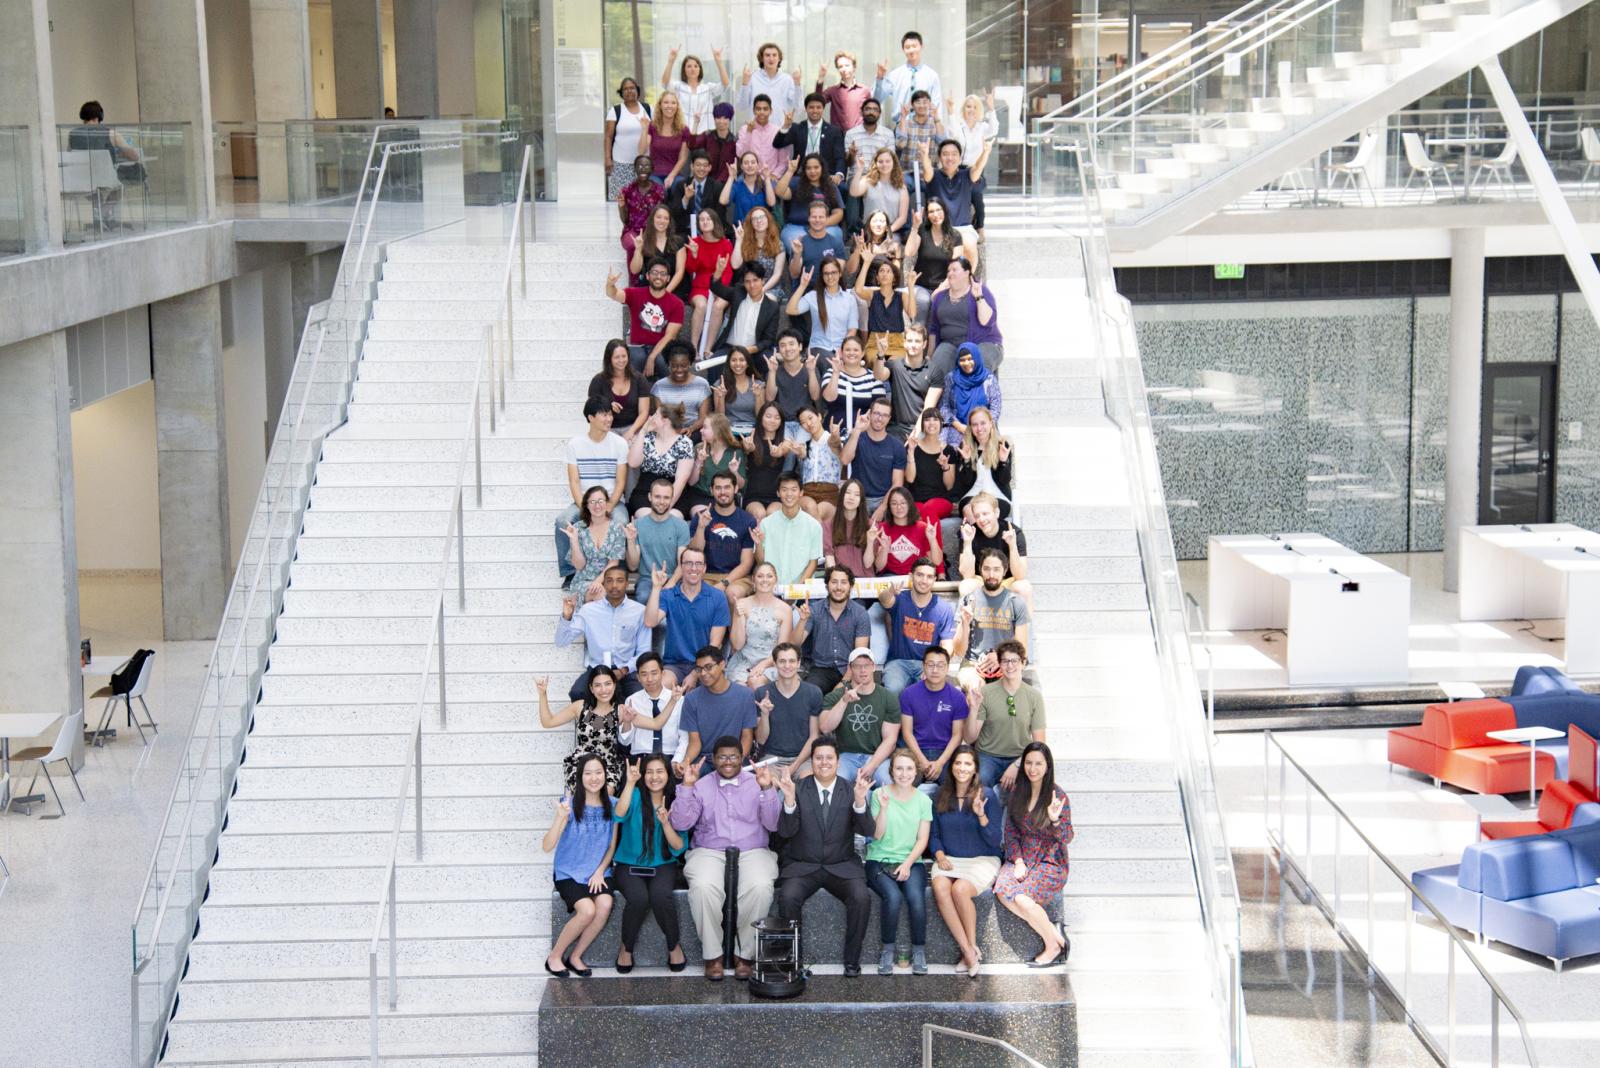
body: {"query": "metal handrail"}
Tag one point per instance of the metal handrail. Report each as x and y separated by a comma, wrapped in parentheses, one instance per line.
(272, 498)
(1216, 882)
(471, 439)
(929, 1030)
(1279, 838)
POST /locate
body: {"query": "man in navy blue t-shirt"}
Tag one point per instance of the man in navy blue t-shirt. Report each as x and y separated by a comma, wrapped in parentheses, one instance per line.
(877, 460)
(725, 532)
(915, 619)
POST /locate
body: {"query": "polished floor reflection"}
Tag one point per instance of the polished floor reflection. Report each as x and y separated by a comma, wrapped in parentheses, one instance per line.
(1306, 995)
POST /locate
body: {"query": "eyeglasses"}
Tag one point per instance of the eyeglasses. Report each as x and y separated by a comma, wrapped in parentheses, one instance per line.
(1007, 661)
(1011, 707)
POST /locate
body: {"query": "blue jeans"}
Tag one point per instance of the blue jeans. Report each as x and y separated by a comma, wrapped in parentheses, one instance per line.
(619, 514)
(913, 893)
(990, 768)
(850, 765)
(898, 674)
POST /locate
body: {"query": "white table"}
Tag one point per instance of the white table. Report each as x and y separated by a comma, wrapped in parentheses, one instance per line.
(1347, 617)
(1455, 690)
(1492, 807)
(22, 725)
(1466, 145)
(1533, 736)
(1536, 571)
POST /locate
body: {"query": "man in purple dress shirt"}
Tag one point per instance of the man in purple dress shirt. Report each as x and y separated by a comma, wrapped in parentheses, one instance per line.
(732, 809)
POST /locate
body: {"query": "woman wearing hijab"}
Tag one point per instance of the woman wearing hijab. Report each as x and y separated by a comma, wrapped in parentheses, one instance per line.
(971, 385)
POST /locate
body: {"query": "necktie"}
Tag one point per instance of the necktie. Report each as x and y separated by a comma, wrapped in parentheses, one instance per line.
(811, 139)
(827, 796)
(699, 187)
(655, 710)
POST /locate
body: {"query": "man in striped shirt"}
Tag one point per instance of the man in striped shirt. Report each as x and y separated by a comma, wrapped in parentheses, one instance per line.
(596, 458)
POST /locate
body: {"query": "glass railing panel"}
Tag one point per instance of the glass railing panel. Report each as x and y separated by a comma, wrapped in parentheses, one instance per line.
(15, 199)
(123, 178)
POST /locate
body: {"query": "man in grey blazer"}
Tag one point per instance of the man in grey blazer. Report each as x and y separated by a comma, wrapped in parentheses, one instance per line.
(821, 817)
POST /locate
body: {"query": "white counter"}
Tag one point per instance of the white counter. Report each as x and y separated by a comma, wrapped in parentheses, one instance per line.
(1536, 571)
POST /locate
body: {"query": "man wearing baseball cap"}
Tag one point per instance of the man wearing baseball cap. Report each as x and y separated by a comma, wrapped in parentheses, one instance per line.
(866, 719)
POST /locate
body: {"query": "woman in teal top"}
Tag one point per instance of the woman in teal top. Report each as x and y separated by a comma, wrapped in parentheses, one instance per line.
(894, 861)
(647, 869)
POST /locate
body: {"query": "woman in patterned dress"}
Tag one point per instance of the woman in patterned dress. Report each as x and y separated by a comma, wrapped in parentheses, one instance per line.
(596, 544)
(596, 718)
(761, 622)
(1038, 826)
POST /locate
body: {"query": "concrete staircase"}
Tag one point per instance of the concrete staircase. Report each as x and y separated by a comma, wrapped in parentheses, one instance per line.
(278, 969)
(1162, 172)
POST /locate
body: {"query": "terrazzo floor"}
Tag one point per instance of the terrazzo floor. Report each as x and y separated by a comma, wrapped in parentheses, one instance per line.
(65, 914)
(1442, 646)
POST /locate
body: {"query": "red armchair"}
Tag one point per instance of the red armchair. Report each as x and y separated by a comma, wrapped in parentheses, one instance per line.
(1561, 797)
(1452, 745)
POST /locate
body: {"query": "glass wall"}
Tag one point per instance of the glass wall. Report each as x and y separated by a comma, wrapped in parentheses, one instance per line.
(1555, 67)
(14, 200)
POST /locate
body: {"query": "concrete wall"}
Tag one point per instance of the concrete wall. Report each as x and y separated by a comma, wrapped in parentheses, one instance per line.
(457, 82)
(114, 470)
(91, 49)
(228, 56)
(244, 388)
(489, 70)
(324, 105)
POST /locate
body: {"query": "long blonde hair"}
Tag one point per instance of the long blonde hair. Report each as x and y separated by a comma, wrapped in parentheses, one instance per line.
(897, 177)
(989, 454)
(677, 125)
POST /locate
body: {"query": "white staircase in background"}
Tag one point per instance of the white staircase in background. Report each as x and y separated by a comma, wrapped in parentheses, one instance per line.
(278, 970)
(1162, 171)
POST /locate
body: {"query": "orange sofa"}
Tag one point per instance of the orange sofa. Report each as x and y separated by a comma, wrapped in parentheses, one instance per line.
(1452, 745)
(1562, 797)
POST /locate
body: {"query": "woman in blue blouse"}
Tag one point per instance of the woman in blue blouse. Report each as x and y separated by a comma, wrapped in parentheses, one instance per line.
(583, 838)
(965, 840)
(648, 869)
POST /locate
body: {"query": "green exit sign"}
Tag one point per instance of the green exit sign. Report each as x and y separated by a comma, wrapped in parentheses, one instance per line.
(1229, 270)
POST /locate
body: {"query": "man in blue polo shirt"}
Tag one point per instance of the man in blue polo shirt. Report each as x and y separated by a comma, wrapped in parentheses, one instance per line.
(696, 615)
(915, 619)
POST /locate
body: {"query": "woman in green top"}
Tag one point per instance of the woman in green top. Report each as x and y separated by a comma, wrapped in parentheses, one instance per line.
(717, 452)
(894, 861)
(646, 868)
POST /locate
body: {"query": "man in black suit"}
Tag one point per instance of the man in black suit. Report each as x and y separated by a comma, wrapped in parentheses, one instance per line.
(698, 187)
(821, 817)
(757, 329)
(814, 135)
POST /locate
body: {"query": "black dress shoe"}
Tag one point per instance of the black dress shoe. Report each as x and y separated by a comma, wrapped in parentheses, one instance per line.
(680, 966)
(852, 971)
(581, 973)
(623, 969)
(1056, 961)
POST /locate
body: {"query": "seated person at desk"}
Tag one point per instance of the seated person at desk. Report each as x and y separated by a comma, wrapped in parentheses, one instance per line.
(94, 134)
(612, 630)
(836, 625)
(731, 809)
(819, 851)
(865, 717)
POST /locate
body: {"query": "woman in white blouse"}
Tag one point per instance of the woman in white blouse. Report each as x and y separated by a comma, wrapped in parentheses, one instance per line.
(976, 126)
(697, 95)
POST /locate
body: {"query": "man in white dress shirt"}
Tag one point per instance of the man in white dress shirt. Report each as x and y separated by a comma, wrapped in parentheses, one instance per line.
(894, 87)
(782, 89)
(648, 721)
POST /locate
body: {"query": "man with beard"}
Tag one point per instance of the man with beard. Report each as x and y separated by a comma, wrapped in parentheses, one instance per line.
(836, 626)
(724, 531)
(989, 615)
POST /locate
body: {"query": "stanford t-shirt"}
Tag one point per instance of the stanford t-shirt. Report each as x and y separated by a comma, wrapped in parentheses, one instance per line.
(650, 316)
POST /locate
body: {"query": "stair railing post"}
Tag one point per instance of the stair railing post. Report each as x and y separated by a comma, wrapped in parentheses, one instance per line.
(461, 563)
(444, 713)
(477, 437)
(372, 1002)
(394, 988)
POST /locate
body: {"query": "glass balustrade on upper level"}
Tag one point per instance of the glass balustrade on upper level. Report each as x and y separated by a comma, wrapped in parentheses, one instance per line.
(124, 178)
(15, 203)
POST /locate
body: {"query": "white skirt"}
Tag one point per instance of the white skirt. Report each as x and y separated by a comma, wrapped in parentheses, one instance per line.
(979, 871)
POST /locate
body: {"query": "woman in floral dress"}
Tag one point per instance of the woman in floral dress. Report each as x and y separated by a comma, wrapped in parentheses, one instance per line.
(596, 718)
(1038, 826)
(596, 544)
(761, 622)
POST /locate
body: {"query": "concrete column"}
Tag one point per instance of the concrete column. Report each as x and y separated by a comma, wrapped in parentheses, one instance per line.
(416, 57)
(39, 579)
(169, 46)
(191, 462)
(280, 44)
(358, 58)
(1463, 395)
(29, 100)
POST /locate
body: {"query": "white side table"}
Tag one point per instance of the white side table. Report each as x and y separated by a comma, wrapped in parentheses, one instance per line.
(1493, 807)
(1460, 691)
(1533, 736)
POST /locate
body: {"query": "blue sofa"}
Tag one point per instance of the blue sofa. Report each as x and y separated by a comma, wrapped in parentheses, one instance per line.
(1537, 892)
(1557, 709)
(1533, 680)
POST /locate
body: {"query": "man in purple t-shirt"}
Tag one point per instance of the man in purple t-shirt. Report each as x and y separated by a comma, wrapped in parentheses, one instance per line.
(928, 712)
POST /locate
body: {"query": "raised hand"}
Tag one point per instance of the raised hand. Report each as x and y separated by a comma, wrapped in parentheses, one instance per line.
(977, 289)
(788, 116)
(932, 532)
(1009, 535)
(805, 612)
(797, 248)
(744, 78)
(633, 773)
(738, 227)
(797, 76)
(1057, 805)
(988, 100)
(834, 425)
(733, 172)
(626, 714)
(883, 68)
(658, 576)
(631, 531)
(764, 776)
(743, 608)
(722, 265)
(569, 605)
(968, 532)
(944, 460)
(911, 279)
(851, 695)
(542, 683)
(716, 53)
(1004, 451)
(705, 513)
(863, 786)
(916, 219)
(563, 808)
(980, 799)
(822, 72)
(612, 277)
(786, 785)
(672, 53)
(758, 536)
(691, 774)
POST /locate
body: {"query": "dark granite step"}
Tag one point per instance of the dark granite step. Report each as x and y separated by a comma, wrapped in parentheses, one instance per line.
(682, 1022)
(1001, 935)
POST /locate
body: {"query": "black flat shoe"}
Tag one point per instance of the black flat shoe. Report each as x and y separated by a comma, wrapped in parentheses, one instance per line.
(623, 969)
(581, 973)
(559, 974)
(681, 965)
